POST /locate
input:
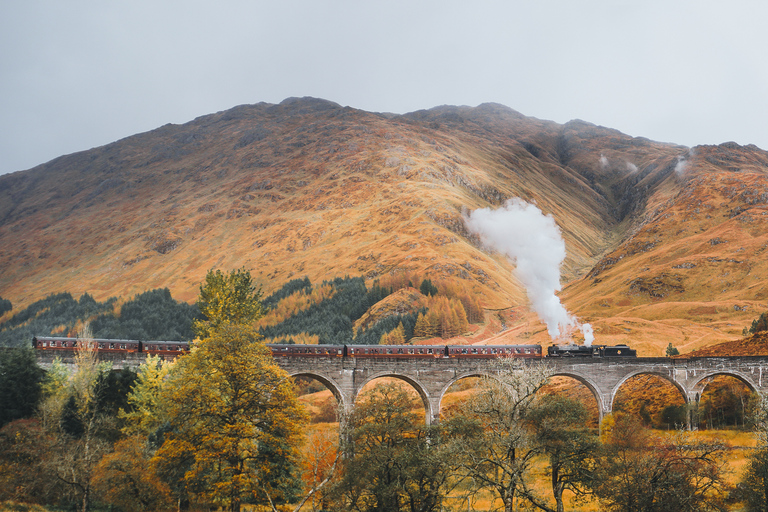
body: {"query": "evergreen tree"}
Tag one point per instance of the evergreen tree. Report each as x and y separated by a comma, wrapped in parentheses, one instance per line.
(20, 384)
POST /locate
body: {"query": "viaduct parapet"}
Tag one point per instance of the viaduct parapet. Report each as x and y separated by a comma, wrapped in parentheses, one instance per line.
(431, 378)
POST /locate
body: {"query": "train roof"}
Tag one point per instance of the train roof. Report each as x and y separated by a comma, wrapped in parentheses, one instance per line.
(101, 340)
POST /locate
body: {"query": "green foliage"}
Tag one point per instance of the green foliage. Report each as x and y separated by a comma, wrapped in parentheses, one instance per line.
(5, 306)
(227, 298)
(372, 335)
(560, 430)
(398, 462)
(760, 324)
(152, 315)
(672, 351)
(287, 290)
(20, 384)
(674, 416)
(332, 319)
(49, 315)
(643, 473)
(427, 288)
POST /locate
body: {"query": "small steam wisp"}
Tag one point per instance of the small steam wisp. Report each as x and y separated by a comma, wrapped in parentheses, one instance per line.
(533, 242)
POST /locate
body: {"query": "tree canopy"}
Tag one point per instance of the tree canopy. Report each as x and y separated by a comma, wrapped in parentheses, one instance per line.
(227, 298)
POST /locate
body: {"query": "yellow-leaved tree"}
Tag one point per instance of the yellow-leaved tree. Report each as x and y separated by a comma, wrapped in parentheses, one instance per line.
(227, 298)
(234, 423)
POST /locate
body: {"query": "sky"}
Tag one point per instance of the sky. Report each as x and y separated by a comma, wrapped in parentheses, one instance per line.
(80, 74)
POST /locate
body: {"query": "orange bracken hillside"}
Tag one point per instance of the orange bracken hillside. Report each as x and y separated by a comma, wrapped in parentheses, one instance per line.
(665, 243)
(755, 345)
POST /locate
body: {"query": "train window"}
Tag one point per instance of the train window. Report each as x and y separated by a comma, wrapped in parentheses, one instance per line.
(111, 345)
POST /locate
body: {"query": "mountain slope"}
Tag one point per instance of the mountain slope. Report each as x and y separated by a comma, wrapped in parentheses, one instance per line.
(657, 235)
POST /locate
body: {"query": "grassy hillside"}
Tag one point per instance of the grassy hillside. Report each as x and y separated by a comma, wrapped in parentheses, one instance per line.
(664, 242)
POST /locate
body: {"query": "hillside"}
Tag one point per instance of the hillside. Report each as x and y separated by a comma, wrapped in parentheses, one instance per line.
(664, 242)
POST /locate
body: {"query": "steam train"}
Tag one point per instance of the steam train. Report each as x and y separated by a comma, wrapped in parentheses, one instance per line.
(450, 351)
(590, 351)
(353, 351)
(406, 351)
(107, 346)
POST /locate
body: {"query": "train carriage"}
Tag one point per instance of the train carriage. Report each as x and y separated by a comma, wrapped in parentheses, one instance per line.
(282, 350)
(395, 351)
(164, 347)
(491, 351)
(63, 343)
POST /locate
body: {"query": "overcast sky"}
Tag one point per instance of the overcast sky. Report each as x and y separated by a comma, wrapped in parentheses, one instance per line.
(80, 74)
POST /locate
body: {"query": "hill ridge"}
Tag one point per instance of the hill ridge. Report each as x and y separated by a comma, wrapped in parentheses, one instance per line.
(310, 187)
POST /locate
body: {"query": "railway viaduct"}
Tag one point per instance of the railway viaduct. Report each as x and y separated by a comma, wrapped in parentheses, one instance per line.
(431, 378)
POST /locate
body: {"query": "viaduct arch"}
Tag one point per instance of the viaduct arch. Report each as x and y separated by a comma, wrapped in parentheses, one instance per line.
(431, 378)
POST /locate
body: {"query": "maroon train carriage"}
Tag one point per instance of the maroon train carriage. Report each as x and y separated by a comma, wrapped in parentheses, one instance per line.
(284, 350)
(393, 351)
(164, 347)
(62, 343)
(105, 345)
(491, 351)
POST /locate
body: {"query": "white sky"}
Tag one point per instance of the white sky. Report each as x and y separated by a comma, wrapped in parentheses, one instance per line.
(79, 74)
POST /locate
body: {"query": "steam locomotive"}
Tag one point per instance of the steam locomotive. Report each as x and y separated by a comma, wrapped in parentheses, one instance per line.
(590, 351)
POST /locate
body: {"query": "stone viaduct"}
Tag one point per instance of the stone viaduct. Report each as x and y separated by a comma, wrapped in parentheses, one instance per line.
(431, 378)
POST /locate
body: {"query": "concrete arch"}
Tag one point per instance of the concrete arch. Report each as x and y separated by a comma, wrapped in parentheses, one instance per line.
(602, 406)
(701, 383)
(414, 383)
(668, 378)
(327, 382)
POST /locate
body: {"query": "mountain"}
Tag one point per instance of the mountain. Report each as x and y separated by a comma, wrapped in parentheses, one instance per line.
(665, 243)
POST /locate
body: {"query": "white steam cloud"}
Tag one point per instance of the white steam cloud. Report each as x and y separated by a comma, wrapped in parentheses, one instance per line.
(533, 242)
(682, 162)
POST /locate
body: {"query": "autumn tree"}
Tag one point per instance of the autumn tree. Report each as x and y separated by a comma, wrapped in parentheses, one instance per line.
(753, 487)
(497, 449)
(227, 298)
(26, 474)
(122, 479)
(560, 430)
(73, 412)
(144, 414)
(644, 473)
(396, 462)
(234, 421)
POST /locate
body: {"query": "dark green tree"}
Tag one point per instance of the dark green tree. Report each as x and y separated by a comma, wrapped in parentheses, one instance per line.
(758, 325)
(672, 351)
(427, 288)
(5, 306)
(20, 384)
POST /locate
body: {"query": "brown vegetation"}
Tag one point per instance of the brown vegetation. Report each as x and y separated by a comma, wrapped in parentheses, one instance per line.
(665, 244)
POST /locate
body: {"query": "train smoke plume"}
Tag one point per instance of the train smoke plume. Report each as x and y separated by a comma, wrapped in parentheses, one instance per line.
(533, 242)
